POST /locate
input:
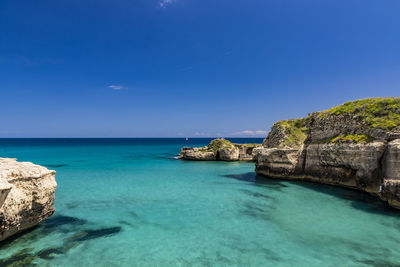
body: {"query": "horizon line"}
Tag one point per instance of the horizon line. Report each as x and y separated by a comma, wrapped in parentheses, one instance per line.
(196, 137)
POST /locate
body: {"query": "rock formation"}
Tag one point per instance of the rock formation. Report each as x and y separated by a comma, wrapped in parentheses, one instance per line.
(220, 149)
(26, 195)
(356, 145)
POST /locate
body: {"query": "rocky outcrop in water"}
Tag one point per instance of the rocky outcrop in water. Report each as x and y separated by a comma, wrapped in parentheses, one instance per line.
(26, 195)
(355, 145)
(220, 149)
(197, 153)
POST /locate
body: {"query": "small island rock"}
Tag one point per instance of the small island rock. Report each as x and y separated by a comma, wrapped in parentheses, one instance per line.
(220, 149)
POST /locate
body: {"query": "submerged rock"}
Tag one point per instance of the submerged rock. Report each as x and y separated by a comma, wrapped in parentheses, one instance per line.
(26, 195)
(352, 145)
(220, 149)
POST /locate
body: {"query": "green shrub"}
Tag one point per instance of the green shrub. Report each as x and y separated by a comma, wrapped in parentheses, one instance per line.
(383, 113)
(295, 131)
(349, 139)
(219, 143)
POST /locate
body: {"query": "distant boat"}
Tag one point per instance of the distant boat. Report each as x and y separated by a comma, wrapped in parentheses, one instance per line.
(187, 138)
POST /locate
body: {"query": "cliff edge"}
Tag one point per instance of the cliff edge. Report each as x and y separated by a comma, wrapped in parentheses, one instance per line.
(356, 145)
(26, 195)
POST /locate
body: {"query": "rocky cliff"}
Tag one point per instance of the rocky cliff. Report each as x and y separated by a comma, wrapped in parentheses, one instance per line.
(26, 195)
(220, 149)
(356, 145)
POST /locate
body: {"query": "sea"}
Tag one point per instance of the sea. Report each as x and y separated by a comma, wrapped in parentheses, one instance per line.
(130, 202)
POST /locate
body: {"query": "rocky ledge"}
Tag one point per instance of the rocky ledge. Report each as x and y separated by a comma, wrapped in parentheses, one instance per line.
(356, 145)
(26, 195)
(220, 149)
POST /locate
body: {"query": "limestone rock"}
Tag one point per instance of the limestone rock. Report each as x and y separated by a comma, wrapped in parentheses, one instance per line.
(220, 149)
(390, 192)
(26, 195)
(197, 153)
(356, 145)
(392, 161)
(354, 165)
(278, 162)
(246, 151)
(289, 133)
(229, 154)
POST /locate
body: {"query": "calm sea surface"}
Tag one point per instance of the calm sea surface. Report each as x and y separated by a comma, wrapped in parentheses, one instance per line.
(127, 202)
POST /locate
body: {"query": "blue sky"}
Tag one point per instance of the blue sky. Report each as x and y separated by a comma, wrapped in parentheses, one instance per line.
(171, 68)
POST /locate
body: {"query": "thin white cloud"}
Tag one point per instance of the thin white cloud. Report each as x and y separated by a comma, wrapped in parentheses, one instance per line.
(165, 3)
(116, 87)
(250, 133)
(201, 134)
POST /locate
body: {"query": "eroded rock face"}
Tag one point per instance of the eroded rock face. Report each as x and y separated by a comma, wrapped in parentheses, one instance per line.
(354, 165)
(197, 153)
(326, 127)
(356, 145)
(246, 151)
(372, 167)
(201, 153)
(391, 166)
(231, 154)
(26, 195)
(278, 162)
(275, 137)
(390, 192)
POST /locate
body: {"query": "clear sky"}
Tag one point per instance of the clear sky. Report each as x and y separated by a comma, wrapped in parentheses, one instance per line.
(170, 68)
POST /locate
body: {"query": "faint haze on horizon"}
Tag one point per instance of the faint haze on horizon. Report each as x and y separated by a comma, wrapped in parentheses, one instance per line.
(188, 68)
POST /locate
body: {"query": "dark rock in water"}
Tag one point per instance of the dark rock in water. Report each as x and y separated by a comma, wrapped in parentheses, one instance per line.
(21, 258)
(72, 205)
(56, 165)
(255, 194)
(60, 220)
(93, 234)
(248, 177)
(49, 254)
(256, 180)
(126, 223)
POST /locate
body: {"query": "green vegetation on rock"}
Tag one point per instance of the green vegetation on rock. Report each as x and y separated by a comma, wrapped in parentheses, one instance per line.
(295, 131)
(383, 113)
(348, 139)
(354, 120)
(219, 143)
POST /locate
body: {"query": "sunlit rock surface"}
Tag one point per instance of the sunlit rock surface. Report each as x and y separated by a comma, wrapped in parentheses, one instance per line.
(355, 145)
(26, 195)
(220, 149)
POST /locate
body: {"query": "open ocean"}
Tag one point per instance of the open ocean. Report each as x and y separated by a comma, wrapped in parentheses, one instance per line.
(127, 202)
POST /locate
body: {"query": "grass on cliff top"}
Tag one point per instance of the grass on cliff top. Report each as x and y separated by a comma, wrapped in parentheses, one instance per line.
(348, 139)
(383, 113)
(219, 143)
(295, 130)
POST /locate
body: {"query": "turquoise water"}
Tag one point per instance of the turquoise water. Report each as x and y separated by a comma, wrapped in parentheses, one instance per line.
(128, 203)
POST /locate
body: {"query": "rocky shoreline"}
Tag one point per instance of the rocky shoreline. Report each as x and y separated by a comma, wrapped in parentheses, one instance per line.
(26, 196)
(355, 145)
